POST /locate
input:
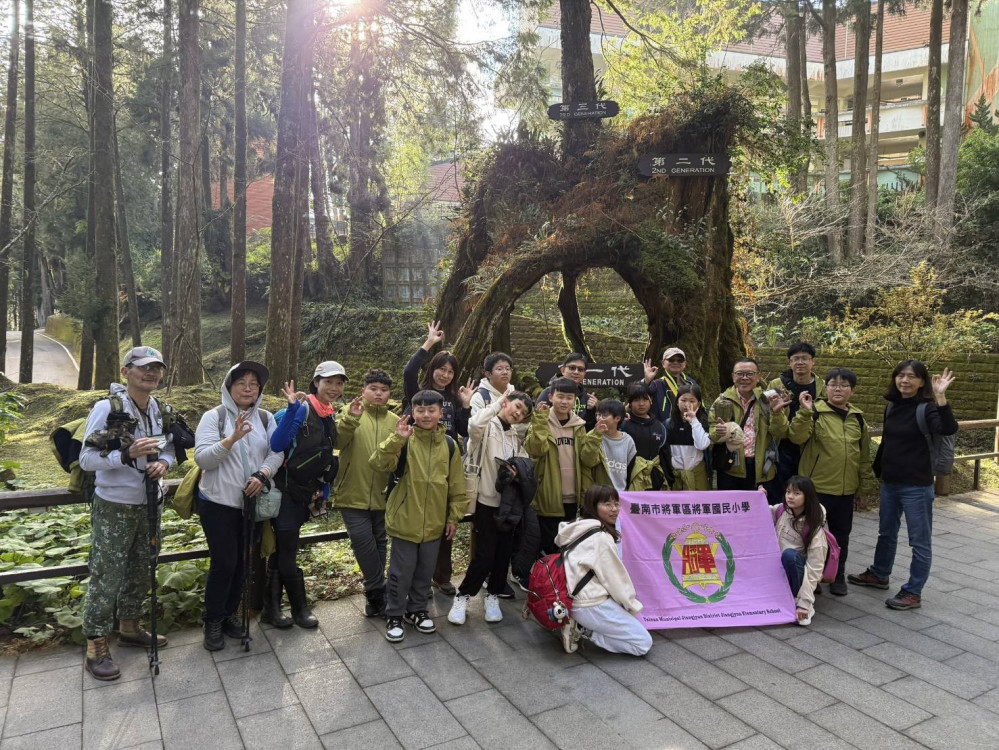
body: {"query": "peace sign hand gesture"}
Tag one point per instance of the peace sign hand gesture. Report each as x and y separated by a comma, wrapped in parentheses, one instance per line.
(356, 407)
(289, 392)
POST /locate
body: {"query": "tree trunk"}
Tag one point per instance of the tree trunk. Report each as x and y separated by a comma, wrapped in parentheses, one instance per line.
(834, 237)
(934, 73)
(950, 141)
(285, 241)
(806, 96)
(28, 261)
(328, 265)
(237, 307)
(186, 367)
(792, 60)
(167, 270)
(85, 381)
(106, 319)
(45, 282)
(125, 249)
(872, 158)
(568, 306)
(578, 84)
(303, 248)
(7, 179)
(858, 139)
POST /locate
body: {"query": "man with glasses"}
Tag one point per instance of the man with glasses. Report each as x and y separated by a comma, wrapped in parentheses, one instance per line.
(123, 444)
(664, 389)
(574, 368)
(743, 408)
(798, 378)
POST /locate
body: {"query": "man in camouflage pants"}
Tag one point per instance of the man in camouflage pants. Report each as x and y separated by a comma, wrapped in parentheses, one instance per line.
(120, 553)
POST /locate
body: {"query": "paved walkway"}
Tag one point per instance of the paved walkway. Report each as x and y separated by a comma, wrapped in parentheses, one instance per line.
(52, 362)
(861, 676)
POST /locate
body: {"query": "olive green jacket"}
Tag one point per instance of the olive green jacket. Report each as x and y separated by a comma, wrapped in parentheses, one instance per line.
(836, 451)
(769, 427)
(357, 485)
(431, 491)
(540, 446)
(593, 458)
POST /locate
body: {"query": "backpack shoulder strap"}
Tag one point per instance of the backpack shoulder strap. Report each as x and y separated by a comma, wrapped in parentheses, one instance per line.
(924, 426)
(451, 447)
(487, 397)
(589, 574)
(220, 420)
(265, 419)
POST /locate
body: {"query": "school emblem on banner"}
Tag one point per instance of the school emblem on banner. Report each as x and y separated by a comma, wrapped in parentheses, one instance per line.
(698, 551)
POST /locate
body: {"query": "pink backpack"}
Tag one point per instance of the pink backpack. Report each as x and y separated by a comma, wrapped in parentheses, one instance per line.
(832, 555)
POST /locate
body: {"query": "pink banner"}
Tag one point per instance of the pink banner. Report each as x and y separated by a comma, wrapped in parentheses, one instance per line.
(704, 559)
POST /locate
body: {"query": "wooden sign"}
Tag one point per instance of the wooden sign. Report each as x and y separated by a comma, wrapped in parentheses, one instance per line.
(583, 110)
(684, 165)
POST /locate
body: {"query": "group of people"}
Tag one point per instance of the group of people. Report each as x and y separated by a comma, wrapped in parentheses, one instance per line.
(535, 476)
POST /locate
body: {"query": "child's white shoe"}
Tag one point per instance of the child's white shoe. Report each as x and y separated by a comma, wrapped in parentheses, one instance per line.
(493, 611)
(458, 608)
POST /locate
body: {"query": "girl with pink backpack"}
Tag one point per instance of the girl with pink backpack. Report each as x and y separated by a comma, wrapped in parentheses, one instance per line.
(800, 525)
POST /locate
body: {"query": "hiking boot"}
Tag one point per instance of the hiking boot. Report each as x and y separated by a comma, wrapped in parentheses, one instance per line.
(507, 592)
(571, 635)
(99, 662)
(271, 612)
(904, 600)
(232, 626)
(375, 604)
(214, 641)
(493, 611)
(867, 578)
(300, 611)
(458, 609)
(131, 634)
(838, 587)
(394, 632)
(446, 587)
(421, 621)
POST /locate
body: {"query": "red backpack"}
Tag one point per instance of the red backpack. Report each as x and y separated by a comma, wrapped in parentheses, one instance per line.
(832, 554)
(549, 599)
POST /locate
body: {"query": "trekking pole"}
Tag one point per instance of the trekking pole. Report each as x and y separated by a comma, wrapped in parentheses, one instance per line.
(152, 516)
(249, 527)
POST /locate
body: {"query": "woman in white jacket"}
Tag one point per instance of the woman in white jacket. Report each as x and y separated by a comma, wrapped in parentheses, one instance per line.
(604, 609)
(235, 459)
(492, 437)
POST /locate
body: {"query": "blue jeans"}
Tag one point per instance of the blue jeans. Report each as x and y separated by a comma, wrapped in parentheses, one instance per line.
(794, 565)
(917, 504)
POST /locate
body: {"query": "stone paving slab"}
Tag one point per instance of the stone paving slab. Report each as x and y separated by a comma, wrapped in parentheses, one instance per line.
(862, 676)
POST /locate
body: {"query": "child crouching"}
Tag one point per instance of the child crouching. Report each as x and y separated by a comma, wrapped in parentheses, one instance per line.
(427, 502)
(803, 546)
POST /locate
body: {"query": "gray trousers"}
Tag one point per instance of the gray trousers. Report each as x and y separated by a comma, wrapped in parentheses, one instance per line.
(410, 570)
(366, 529)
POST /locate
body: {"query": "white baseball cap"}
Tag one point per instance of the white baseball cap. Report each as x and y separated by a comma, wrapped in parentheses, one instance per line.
(329, 369)
(143, 355)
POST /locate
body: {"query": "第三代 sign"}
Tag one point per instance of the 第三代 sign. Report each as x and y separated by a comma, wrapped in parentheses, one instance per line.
(583, 110)
(684, 165)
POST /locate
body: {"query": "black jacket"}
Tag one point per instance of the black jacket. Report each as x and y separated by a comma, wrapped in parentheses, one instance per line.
(516, 492)
(903, 456)
(650, 441)
(454, 417)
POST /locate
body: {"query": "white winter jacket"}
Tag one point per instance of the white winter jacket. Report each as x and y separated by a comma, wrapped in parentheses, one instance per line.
(487, 441)
(599, 554)
(222, 475)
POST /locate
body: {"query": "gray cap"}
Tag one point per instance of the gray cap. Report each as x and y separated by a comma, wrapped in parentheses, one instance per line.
(329, 369)
(143, 355)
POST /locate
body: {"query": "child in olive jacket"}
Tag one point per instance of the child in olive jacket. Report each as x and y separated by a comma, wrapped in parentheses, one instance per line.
(555, 444)
(427, 503)
(359, 489)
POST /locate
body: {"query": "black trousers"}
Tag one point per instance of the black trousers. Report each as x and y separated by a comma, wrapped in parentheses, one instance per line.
(748, 482)
(549, 527)
(223, 526)
(493, 549)
(839, 517)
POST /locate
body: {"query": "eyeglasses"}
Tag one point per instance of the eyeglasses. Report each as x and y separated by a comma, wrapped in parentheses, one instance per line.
(501, 370)
(800, 359)
(575, 368)
(838, 386)
(155, 367)
(743, 374)
(610, 503)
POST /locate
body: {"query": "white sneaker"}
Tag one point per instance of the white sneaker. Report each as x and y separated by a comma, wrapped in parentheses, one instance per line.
(493, 611)
(458, 608)
(571, 634)
(806, 621)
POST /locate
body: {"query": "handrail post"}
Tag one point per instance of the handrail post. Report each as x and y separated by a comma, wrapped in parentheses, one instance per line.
(977, 474)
